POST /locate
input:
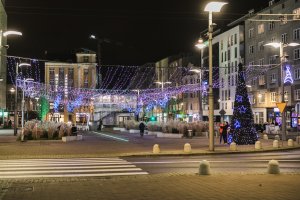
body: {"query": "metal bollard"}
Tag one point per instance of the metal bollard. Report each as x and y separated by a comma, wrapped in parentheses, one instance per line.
(290, 143)
(273, 167)
(277, 137)
(156, 148)
(204, 168)
(233, 146)
(187, 148)
(258, 145)
(265, 137)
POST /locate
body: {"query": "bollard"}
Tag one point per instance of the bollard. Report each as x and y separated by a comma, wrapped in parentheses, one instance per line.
(204, 168)
(265, 137)
(233, 146)
(277, 137)
(156, 148)
(273, 167)
(275, 144)
(290, 143)
(258, 144)
(187, 148)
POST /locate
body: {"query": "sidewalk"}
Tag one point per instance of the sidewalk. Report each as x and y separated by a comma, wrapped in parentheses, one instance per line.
(98, 146)
(166, 187)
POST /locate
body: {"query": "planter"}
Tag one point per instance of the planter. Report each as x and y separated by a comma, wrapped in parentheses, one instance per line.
(116, 128)
(169, 135)
(71, 138)
(153, 132)
(123, 129)
(134, 131)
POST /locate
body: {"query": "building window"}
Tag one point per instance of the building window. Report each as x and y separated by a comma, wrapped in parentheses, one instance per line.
(229, 96)
(222, 82)
(251, 99)
(251, 33)
(296, 35)
(251, 49)
(61, 77)
(225, 56)
(85, 59)
(260, 46)
(191, 106)
(282, 6)
(273, 78)
(271, 26)
(283, 19)
(221, 44)
(235, 52)
(284, 38)
(297, 54)
(297, 94)
(297, 73)
(231, 40)
(228, 54)
(229, 80)
(86, 80)
(228, 68)
(222, 97)
(222, 57)
(297, 12)
(286, 96)
(261, 62)
(51, 76)
(261, 98)
(235, 38)
(260, 28)
(70, 77)
(261, 80)
(232, 81)
(272, 60)
(273, 96)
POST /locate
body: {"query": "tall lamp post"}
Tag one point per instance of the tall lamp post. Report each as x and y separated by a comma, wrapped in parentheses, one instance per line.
(210, 8)
(16, 97)
(28, 80)
(282, 59)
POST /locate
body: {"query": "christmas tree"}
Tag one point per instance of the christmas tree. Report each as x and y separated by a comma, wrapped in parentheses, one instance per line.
(242, 128)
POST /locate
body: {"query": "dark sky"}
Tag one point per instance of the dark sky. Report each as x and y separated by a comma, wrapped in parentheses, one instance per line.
(140, 31)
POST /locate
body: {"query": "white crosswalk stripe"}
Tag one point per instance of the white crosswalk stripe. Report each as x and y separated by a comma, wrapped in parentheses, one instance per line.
(73, 167)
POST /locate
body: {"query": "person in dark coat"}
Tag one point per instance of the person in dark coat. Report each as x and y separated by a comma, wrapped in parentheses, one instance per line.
(224, 132)
(100, 125)
(142, 128)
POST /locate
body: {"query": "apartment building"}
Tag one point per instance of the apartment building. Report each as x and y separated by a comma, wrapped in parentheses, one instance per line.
(267, 76)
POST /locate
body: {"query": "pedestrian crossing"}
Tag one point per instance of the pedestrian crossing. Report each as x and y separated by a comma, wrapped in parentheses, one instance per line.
(73, 167)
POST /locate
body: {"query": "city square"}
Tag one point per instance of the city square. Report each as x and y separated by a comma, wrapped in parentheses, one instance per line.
(165, 100)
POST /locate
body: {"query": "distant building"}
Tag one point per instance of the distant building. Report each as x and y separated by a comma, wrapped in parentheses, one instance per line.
(81, 74)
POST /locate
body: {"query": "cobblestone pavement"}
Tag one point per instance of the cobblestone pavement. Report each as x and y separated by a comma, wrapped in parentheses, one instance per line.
(168, 186)
(94, 146)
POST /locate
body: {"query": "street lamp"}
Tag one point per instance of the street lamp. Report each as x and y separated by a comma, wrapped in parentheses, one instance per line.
(281, 45)
(210, 8)
(99, 42)
(28, 80)
(16, 97)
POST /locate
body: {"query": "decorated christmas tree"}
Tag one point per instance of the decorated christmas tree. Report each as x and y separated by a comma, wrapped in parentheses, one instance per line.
(242, 128)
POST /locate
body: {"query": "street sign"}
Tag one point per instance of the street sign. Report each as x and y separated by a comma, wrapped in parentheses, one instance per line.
(281, 106)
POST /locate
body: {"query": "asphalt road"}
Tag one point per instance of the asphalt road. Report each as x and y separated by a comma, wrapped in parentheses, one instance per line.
(289, 162)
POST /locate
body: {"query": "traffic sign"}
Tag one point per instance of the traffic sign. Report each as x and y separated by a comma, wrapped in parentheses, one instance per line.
(281, 106)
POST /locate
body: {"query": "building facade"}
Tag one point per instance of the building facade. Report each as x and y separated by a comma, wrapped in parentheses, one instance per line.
(3, 26)
(267, 75)
(81, 74)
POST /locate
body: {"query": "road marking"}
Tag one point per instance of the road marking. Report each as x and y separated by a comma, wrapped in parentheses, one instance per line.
(110, 136)
(211, 161)
(34, 168)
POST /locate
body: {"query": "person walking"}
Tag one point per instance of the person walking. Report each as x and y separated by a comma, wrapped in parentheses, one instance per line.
(221, 131)
(100, 125)
(224, 132)
(142, 128)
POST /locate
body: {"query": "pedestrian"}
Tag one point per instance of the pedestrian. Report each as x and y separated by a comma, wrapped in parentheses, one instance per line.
(224, 132)
(221, 131)
(100, 125)
(142, 128)
(9, 124)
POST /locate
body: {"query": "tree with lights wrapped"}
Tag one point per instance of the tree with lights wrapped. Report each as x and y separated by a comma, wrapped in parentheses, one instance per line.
(44, 108)
(242, 128)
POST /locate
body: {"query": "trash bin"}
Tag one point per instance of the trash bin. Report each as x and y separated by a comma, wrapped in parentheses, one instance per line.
(190, 133)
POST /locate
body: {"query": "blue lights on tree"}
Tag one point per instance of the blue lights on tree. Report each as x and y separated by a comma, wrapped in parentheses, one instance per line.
(242, 129)
(57, 102)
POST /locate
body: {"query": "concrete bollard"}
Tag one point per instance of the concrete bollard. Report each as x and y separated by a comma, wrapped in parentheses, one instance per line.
(233, 146)
(273, 167)
(156, 148)
(258, 145)
(277, 137)
(290, 143)
(275, 144)
(187, 148)
(265, 137)
(204, 168)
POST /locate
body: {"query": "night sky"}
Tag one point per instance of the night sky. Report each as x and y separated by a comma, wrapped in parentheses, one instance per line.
(139, 31)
